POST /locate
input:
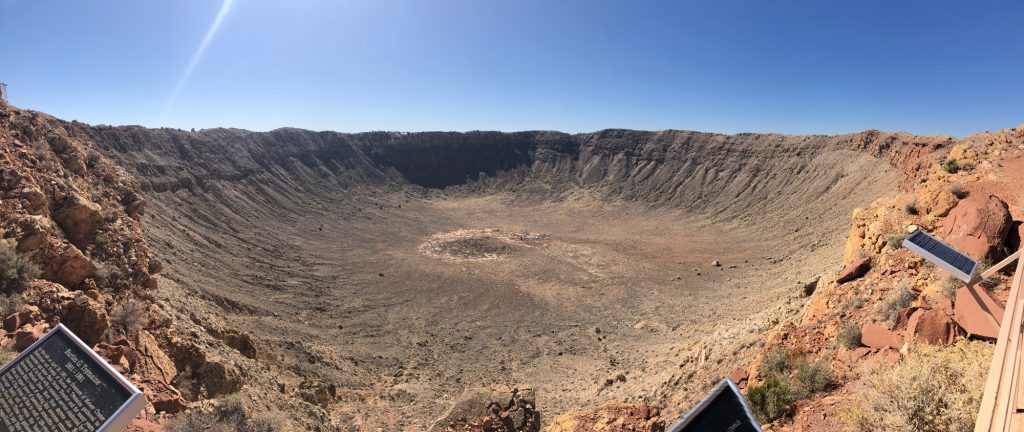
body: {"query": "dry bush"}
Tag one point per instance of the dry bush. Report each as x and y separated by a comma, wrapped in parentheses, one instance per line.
(848, 335)
(231, 413)
(269, 422)
(911, 208)
(895, 241)
(778, 363)
(129, 317)
(949, 285)
(787, 377)
(900, 297)
(958, 191)
(112, 278)
(15, 270)
(9, 304)
(931, 389)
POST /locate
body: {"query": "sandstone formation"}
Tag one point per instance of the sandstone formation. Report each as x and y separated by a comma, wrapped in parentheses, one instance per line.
(978, 226)
(854, 270)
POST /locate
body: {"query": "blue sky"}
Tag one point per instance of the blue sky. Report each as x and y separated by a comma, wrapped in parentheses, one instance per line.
(574, 65)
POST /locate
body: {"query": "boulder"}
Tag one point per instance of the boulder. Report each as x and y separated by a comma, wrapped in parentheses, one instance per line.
(935, 199)
(978, 226)
(318, 393)
(152, 361)
(28, 335)
(931, 326)
(854, 270)
(70, 267)
(80, 219)
(87, 318)
(35, 201)
(970, 309)
(220, 377)
(878, 337)
(614, 417)
(242, 342)
(27, 315)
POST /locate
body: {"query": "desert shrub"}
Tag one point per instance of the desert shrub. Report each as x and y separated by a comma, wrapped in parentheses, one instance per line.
(231, 405)
(778, 363)
(857, 303)
(911, 208)
(848, 335)
(112, 278)
(812, 378)
(129, 317)
(268, 422)
(93, 159)
(102, 239)
(772, 399)
(900, 297)
(951, 166)
(930, 389)
(958, 191)
(895, 241)
(9, 304)
(949, 285)
(15, 270)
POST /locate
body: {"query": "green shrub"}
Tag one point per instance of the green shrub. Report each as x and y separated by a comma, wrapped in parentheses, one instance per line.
(951, 166)
(812, 378)
(958, 191)
(102, 239)
(778, 364)
(848, 335)
(15, 270)
(772, 399)
(930, 389)
(231, 405)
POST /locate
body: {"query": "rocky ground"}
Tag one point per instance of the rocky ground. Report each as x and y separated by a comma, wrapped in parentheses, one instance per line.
(479, 281)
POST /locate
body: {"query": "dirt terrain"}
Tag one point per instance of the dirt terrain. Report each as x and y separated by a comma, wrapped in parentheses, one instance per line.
(398, 270)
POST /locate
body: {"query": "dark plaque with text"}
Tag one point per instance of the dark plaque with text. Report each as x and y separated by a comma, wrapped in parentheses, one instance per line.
(59, 384)
(724, 410)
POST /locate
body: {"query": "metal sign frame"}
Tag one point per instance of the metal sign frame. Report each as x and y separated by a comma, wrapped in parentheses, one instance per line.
(943, 264)
(126, 413)
(727, 383)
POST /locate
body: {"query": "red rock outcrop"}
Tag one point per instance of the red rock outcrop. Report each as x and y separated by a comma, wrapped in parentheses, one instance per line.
(932, 326)
(878, 337)
(977, 312)
(978, 226)
(854, 270)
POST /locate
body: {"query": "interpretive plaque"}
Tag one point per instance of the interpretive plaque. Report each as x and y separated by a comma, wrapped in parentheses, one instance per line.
(60, 384)
(724, 410)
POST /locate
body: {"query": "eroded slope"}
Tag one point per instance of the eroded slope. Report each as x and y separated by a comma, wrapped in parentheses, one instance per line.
(598, 252)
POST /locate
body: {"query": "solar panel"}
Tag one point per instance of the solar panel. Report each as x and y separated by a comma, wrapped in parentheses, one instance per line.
(943, 255)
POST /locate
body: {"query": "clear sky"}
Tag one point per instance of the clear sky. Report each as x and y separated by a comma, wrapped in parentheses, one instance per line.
(826, 66)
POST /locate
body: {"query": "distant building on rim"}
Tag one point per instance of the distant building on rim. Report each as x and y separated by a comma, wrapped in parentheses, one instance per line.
(3, 92)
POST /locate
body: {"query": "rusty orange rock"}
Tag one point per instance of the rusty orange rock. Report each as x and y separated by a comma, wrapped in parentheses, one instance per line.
(972, 312)
(878, 337)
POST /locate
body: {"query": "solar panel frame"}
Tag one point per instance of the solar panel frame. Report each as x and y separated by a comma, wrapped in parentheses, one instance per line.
(942, 255)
